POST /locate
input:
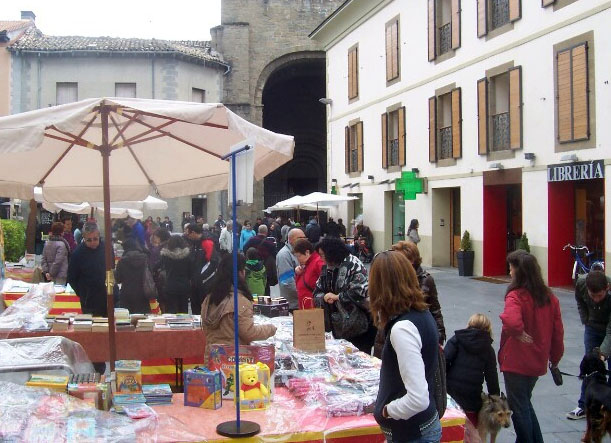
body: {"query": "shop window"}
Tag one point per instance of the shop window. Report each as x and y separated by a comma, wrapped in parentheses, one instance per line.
(125, 90)
(393, 59)
(500, 111)
(573, 94)
(198, 95)
(354, 147)
(495, 14)
(445, 126)
(353, 73)
(66, 93)
(393, 138)
(443, 27)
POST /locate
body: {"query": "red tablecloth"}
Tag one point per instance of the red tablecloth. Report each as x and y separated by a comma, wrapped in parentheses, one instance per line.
(289, 420)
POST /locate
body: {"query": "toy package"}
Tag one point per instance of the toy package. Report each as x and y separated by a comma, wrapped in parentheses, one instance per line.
(222, 357)
(254, 385)
(203, 388)
(129, 376)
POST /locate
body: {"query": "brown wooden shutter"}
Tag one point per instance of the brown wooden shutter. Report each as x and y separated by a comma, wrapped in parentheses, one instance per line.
(455, 24)
(545, 3)
(456, 123)
(385, 140)
(515, 10)
(355, 73)
(347, 147)
(482, 116)
(482, 17)
(515, 107)
(432, 30)
(395, 49)
(433, 129)
(389, 52)
(402, 141)
(581, 124)
(359, 146)
(565, 124)
(350, 92)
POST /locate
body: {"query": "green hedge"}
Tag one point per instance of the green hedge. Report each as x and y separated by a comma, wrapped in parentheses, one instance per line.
(14, 239)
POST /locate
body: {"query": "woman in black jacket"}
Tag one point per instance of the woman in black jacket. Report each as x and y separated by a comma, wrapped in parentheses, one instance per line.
(178, 267)
(130, 273)
(470, 359)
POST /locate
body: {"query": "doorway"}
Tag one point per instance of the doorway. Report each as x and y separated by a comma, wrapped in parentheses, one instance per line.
(446, 227)
(455, 225)
(199, 208)
(398, 217)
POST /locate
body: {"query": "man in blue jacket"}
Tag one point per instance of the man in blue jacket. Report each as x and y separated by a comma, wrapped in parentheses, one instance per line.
(285, 266)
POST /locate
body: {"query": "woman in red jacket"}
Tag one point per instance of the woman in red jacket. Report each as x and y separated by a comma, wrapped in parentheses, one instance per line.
(532, 336)
(307, 273)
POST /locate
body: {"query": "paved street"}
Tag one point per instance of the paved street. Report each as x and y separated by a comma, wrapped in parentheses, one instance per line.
(462, 296)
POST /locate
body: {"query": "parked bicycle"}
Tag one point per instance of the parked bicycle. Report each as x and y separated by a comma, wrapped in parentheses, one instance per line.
(582, 256)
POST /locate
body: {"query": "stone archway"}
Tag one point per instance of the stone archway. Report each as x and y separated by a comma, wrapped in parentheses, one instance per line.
(287, 95)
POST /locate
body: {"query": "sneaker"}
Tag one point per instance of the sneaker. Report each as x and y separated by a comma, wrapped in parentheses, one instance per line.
(576, 414)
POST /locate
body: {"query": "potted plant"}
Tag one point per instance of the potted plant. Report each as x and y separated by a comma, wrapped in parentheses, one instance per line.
(523, 243)
(465, 256)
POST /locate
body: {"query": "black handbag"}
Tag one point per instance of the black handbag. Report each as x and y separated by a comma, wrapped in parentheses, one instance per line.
(349, 320)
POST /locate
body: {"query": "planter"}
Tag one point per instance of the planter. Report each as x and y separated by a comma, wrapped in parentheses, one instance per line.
(465, 263)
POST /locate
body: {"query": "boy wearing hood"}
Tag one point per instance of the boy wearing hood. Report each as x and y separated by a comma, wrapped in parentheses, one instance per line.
(256, 278)
(470, 359)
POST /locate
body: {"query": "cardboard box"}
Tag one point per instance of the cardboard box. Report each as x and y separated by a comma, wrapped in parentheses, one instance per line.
(309, 330)
(129, 376)
(273, 310)
(202, 388)
(255, 389)
(222, 357)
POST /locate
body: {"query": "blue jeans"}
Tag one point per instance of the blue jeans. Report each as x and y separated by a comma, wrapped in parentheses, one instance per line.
(519, 391)
(431, 435)
(591, 339)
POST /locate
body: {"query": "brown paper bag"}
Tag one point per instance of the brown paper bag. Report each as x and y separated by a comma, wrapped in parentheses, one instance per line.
(309, 329)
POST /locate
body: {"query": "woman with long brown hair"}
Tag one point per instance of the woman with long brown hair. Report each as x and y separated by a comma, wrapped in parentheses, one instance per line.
(405, 408)
(532, 336)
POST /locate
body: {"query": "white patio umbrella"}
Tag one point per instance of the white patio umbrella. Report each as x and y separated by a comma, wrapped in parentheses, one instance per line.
(117, 149)
(324, 199)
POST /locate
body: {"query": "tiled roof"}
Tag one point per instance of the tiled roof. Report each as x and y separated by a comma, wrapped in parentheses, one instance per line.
(35, 41)
(14, 25)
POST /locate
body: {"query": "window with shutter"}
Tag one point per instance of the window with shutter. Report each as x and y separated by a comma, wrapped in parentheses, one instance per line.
(482, 116)
(354, 147)
(498, 108)
(433, 129)
(353, 73)
(444, 26)
(66, 92)
(359, 142)
(402, 137)
(392, 50)
(125, 90)
(456, 123)
(515, 107)
(494, 14)
(573, 94)
(444, 126)
(385, 140)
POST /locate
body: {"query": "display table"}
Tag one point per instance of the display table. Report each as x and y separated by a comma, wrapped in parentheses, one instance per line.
(290, 420)
(20, 273)
(61, 304)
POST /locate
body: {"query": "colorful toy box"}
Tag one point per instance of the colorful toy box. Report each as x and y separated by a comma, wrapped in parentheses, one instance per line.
(202, 388)
(254, 385)
(222, 358)
(129, 376)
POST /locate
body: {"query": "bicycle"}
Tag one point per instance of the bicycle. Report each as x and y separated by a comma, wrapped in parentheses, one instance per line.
(580, 267)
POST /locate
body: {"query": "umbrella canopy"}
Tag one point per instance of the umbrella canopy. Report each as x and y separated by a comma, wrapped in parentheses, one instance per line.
(105, 149)
(294, 202)
(323, 199)
(175, 147)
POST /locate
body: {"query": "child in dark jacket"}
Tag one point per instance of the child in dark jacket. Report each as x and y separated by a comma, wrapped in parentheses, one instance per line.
(256, 278)
(470, 359)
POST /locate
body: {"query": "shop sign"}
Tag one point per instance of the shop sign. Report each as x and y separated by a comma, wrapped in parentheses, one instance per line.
(576, 171)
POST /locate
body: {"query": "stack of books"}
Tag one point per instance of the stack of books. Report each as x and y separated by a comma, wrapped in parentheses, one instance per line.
(100, 324)
(145, 325)
(122, 320)
(57, 383)
(181, 321)
(157, 394)
(83, 322)
(134, 318)
(126, 400)
(60, 324)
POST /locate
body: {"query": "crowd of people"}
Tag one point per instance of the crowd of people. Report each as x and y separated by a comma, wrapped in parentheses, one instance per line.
(394, 309)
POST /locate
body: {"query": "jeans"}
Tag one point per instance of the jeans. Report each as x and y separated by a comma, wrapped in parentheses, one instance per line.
(519, 391)
(431, 435)
(591, 339)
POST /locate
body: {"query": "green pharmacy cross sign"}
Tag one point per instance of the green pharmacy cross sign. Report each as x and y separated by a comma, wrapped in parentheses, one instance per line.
(409, 185)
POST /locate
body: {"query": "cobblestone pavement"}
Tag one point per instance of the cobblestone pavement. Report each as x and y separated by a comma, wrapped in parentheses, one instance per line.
(462, 296)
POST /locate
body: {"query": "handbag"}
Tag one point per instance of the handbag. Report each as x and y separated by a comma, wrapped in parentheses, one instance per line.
(148, 283)
(349, 320)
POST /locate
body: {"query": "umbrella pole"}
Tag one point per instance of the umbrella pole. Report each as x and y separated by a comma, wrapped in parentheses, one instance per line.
(110, 280)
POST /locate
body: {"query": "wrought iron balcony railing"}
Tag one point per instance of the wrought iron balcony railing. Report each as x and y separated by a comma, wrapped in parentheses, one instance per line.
(500, 131)
(393, 152)
(445, 142)
(445, 38)
(499, 13)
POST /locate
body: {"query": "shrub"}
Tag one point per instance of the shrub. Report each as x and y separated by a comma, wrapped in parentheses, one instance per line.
(523, 243)
(465, 242)
(14, 239)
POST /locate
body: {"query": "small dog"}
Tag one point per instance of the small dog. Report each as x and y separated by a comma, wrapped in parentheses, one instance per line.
(593, 372)
(494, 413)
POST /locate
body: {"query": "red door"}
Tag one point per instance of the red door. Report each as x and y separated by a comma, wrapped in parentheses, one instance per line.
(561, 230)
(495, 230)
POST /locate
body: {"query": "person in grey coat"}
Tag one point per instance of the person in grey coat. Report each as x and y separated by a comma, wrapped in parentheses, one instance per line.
(412, 232)
(55, 256)
(285, 266)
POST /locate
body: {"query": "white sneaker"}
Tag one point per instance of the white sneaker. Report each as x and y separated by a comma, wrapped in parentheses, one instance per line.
(576, 414)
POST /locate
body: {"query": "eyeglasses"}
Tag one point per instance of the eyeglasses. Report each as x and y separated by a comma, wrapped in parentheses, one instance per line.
(91, 240)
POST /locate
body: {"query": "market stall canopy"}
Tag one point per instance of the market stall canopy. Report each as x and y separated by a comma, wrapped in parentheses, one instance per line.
(322, 199)
(173, 147)
(294, 203)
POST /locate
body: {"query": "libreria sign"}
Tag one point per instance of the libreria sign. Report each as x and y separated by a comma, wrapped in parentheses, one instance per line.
(576, 171)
